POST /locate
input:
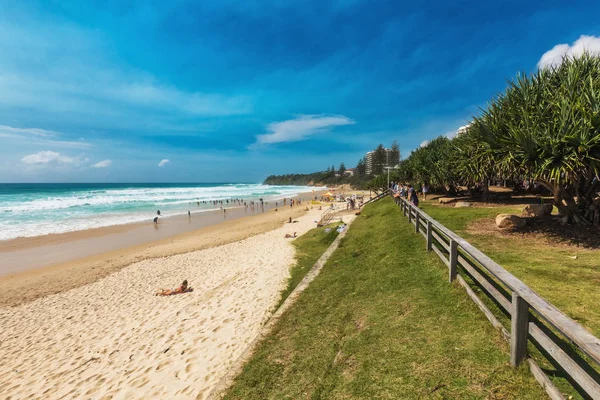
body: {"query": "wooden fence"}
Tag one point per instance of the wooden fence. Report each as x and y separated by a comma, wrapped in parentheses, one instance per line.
(372, 199)
(563, 342)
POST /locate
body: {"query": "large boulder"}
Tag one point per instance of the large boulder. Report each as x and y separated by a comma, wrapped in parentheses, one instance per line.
(509, 221)
(537, 210)
(462, 204)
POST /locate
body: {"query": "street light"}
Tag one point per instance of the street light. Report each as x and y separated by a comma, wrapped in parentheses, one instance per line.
(388, 170)
(388, 173)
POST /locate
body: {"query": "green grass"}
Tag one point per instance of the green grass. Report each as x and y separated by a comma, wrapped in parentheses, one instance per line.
(309, 248)
(570, 284)
(382, 322)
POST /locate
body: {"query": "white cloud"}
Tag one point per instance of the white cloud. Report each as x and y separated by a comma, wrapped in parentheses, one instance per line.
(554, 56)
(424, 143)
(9, 130)
(163, 162)
(300, 128)
(47, 157)
(460, 130)
(102, 164)
(41, 137)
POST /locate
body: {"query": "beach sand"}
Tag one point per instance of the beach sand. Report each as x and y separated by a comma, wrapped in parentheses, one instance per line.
(108, 336)
(30, 284)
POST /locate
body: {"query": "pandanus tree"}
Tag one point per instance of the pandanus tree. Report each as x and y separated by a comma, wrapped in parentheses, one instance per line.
(547, 127)
(432, 164)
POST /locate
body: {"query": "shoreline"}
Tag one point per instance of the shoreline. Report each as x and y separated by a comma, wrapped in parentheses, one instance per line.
(70, 261)
(25, 253)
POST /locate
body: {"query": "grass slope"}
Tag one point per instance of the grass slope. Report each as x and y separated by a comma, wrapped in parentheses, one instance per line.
(382, 322)
(309, 248)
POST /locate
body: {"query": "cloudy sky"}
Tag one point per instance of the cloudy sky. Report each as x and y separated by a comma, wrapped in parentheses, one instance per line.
(227, 90)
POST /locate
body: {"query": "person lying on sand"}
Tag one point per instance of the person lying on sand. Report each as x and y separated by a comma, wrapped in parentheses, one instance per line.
(288, 236)
(181, 289)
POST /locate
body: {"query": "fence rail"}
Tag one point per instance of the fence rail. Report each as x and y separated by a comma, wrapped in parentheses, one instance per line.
(372, 199)
(533, 319)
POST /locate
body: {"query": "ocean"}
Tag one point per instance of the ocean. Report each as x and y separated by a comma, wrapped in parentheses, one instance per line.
(28, 210)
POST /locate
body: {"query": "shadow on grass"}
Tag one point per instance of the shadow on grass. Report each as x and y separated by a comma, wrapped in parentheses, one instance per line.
(587, 236)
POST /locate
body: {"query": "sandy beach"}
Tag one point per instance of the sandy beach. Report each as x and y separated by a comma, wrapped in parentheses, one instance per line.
(105, 334)
(39, 266)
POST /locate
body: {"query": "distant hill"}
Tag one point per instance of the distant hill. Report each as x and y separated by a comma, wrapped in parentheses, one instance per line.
(318, 179)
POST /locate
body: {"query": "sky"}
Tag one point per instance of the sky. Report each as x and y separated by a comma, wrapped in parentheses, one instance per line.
(233, 91)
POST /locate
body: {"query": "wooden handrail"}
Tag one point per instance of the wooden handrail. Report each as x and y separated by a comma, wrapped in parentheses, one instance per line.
(521, 293)
(372, 199)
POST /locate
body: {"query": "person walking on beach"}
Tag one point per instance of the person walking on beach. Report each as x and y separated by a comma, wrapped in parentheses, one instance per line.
(155, 220)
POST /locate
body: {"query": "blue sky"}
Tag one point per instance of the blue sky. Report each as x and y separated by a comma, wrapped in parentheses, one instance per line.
(222, 91)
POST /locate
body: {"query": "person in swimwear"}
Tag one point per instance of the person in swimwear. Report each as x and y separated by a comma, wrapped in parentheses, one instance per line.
(181, 289)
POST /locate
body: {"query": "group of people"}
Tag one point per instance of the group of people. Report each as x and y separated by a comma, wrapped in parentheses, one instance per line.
(351, 202)
(408, 192)
(251, 206)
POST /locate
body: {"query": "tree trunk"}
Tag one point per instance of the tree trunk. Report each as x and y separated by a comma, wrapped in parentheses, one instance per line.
(486, 189)
(567, 206)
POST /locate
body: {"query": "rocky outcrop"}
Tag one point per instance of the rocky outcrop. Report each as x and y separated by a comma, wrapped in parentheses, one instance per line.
(509, 221)
(537, 210)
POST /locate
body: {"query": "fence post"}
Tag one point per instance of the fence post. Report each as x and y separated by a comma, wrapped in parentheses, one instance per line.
(519, 328)
(417, 218)
(429, 235)
(453, 260)
(409, 213)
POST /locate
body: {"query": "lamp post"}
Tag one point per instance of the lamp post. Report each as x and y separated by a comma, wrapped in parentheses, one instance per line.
(388, 173)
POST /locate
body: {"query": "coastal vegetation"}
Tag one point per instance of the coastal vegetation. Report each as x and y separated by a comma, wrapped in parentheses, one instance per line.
(381, 321)
(359, 177)
(544, 127)
(323, 178)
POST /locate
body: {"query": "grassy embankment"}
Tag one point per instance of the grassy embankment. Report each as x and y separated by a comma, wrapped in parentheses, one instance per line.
(381, 321)
(567, 276)
(309, 248)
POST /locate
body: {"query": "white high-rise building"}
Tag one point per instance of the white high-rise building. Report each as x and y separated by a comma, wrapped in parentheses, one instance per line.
(387, 161)
(369, 162)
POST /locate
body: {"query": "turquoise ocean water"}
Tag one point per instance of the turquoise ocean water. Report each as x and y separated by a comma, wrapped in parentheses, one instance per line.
(37, 209)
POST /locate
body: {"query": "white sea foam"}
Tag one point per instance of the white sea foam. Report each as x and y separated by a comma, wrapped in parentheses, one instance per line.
(33, 214)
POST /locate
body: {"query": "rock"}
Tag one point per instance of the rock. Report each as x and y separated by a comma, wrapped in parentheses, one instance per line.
(462, 204)
(537, 210)
(446, 200)
(509, 221)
